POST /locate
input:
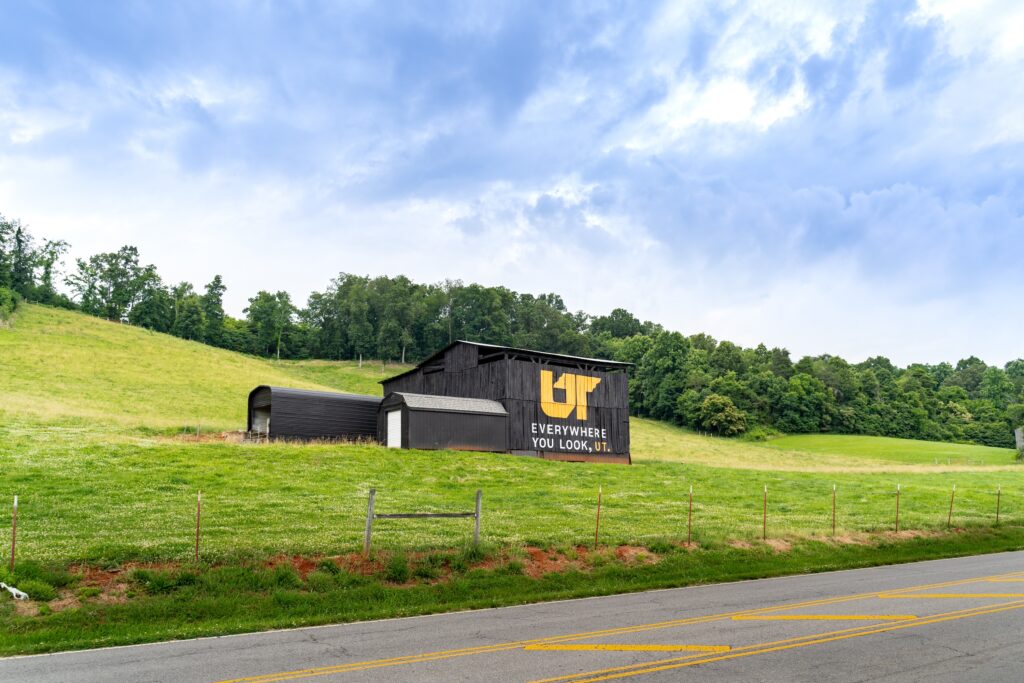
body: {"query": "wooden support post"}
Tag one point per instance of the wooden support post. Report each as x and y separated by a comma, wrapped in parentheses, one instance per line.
(14, 531)
(897, 508)
(949, 519)
(833, 510)
(999, 494)
(369, 523)
(689, 519)
(476, 528)
(764, 516)
(199, 513)
(597, 526)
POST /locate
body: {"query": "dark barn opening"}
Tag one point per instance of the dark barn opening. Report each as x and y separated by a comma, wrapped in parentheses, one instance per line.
(301, 415)
(559, 407)
(439, 422)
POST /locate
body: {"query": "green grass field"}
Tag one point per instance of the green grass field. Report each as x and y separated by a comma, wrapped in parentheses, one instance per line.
(97, 437)
(895, 450)
(94, 441)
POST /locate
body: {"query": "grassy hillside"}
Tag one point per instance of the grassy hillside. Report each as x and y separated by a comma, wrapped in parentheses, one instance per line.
(895, 450)
(58, 365)
(341, 375)
(71, 384)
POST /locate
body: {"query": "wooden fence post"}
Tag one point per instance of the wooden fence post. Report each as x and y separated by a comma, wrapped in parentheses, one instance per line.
(369, 523)
(597, 525)
(999, 495)
(476, 529)
(949, 519)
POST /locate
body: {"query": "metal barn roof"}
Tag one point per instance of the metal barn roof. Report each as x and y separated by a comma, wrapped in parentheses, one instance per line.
(598, 363)
(449, 404)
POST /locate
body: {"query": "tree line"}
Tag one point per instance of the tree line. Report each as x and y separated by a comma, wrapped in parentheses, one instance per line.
(695, 380)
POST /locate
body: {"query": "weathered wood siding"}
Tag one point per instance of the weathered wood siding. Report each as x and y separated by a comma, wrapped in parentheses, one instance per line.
(515, 380)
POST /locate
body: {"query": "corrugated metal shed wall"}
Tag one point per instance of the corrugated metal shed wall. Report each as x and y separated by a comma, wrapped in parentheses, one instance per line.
(441, 429)
(300, 414)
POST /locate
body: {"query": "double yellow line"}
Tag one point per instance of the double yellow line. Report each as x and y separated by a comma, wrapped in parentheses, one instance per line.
(763, 648)
(522, 644)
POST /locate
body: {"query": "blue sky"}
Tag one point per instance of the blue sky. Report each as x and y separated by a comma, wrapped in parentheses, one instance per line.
(833, 178)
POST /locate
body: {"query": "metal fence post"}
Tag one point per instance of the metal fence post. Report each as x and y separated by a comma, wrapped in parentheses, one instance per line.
(14, 531)
(369, 523)
(476, 530)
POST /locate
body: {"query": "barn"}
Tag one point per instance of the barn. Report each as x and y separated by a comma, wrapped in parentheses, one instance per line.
(436, 422)
(558, 407)
(301, 415)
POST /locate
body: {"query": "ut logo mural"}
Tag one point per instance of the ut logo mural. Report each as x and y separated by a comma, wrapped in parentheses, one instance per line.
(576, 387)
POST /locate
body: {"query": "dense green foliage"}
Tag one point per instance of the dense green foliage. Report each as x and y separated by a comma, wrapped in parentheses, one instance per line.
(26, 268)
(695, 381)
(9, 301)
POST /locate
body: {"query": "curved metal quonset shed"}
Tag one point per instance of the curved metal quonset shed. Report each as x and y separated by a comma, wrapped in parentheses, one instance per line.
(283, 413)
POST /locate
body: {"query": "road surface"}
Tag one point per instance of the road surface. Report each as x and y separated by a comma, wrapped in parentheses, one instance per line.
(945, 620)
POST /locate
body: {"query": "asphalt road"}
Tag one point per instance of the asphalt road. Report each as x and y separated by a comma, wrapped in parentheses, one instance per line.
(946, 620)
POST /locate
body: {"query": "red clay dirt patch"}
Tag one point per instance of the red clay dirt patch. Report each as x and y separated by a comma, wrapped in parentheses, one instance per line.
(632, 554)
(302, 565)
(540, 562)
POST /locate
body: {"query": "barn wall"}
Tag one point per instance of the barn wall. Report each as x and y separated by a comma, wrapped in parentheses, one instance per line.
(516, 383)
(604, 430)
(457, 431)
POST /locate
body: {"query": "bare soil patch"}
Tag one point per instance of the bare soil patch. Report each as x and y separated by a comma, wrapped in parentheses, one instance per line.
(547, 561)
(67, 600)
(26, 608)
(779, 545)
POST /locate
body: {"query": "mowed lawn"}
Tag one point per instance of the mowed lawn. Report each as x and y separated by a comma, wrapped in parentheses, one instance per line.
(91, 415)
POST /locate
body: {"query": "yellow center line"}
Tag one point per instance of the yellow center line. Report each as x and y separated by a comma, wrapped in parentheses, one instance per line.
(948, 596)
(514, 645)
(824, 617)
(1005, 580)
(763, 648)
(611, 647)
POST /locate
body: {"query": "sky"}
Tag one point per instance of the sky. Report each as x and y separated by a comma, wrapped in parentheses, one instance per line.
(841, 178)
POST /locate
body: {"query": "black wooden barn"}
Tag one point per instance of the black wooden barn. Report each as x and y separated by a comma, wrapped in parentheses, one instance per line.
(436, 422)
(559, 407)
(300, 415)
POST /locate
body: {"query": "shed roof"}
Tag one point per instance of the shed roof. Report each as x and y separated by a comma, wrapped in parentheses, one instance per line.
(325, 395)
(450, 404)
(597, 363)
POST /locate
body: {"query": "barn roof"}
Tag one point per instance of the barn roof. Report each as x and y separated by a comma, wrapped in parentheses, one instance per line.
(528, 354)
(449, 404)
